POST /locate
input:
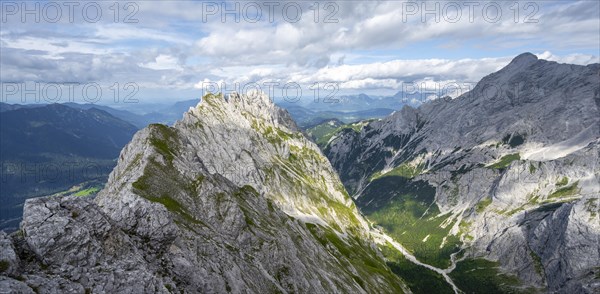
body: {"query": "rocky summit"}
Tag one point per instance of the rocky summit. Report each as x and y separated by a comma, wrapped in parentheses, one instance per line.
(504, 178)
(231, 199)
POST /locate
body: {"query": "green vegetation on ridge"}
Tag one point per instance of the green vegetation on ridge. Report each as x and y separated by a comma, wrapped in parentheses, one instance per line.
(363, 258)
(403, 170)
(164, 139)
(87, 192)
(565, 191)
(562, 182)
(505, 161)
(323, 132)
(483, 204)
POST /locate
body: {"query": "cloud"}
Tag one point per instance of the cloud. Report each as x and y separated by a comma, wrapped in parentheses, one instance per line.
(577, 58)
(370, 83)
(163, 62)
(371, 46)
(388, 26)
(433, 75)
(462, 69)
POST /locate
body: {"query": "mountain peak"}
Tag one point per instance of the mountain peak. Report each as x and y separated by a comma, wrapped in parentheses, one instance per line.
(255, 103)
(256, 98)
(523, 59)
(233, 171)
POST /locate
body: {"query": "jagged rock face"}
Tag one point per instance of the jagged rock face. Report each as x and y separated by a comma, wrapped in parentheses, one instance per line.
(513, 166)
(231, 199)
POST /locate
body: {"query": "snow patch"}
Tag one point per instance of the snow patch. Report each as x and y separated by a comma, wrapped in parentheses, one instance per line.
(307, 218)
(561, 149)
(425, 239)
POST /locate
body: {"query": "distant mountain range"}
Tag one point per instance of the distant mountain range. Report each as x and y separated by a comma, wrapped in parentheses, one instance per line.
(49, 148)
(166, 114)
(361, 102)
(307, 118)
(347, 108)
(350, 108)
(62, 130)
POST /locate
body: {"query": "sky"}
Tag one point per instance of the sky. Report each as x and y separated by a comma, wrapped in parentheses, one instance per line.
(164, 51)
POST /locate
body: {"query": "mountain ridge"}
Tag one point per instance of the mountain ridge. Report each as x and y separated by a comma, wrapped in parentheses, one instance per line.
(505, 166)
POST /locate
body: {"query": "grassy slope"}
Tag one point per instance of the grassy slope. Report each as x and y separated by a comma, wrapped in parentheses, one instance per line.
(483, 276)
